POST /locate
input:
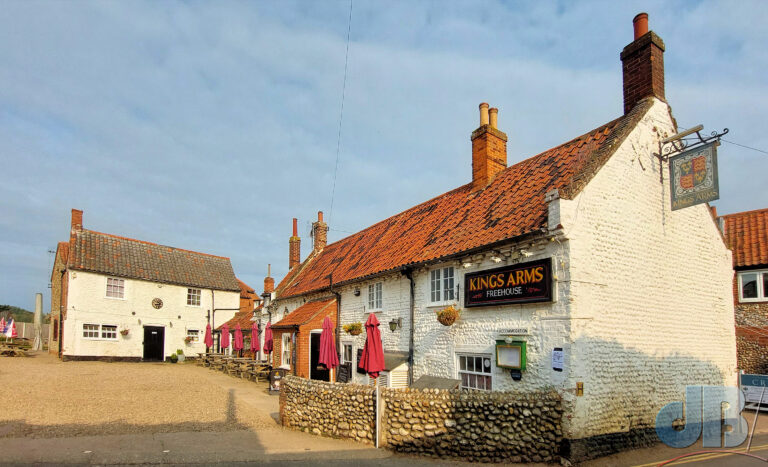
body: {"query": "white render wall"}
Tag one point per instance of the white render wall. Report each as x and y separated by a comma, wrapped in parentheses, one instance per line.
(651, 293)
(88, 304)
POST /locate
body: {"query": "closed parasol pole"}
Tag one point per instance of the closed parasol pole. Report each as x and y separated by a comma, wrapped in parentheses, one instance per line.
(38, 344)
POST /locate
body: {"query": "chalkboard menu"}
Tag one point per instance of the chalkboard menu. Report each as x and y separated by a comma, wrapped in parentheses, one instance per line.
(359, 358)
(344, 372)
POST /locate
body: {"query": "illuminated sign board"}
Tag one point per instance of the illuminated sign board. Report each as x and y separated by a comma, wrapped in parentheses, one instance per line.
(519, 283)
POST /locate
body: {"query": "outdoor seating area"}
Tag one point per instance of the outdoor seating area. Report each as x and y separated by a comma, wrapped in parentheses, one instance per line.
(246, 368)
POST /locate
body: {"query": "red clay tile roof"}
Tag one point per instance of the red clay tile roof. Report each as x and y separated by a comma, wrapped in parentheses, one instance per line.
(126, 257)
(460, 220)
(246, 291)
(305, 313)
(746, 233)
(243, 318)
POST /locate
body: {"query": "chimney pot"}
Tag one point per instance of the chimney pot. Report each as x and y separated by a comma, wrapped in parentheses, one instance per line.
(319, 233)
(494, 117)
(483, 114)
(640, 23)
(295, 227)
(294, 247)
(489, 149)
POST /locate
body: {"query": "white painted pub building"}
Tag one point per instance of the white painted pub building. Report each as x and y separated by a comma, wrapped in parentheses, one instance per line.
(569, 267)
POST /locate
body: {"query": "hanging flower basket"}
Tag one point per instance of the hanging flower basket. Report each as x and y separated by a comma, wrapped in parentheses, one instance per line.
(188, 340)
(448, 315)
(123, 332)
(353, 329)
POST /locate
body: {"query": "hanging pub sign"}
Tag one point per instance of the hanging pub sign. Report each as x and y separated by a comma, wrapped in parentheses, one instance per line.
(693, 176)
(518, 283)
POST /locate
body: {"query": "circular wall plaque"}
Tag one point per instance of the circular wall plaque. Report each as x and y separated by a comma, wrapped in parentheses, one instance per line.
(157, 303)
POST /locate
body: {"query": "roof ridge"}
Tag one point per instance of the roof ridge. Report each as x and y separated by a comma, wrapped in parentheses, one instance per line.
(152, 243)
(742, 213)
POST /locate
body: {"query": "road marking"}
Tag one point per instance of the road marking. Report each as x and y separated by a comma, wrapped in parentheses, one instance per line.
(702, 457)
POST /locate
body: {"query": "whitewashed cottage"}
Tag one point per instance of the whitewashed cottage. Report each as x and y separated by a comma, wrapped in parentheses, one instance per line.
(116, 298)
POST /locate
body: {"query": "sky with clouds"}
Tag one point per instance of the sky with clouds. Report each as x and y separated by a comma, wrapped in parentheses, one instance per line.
(209, 125)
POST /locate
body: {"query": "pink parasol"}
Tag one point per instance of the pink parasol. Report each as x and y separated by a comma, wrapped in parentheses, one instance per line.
(224, 336)
(208, 337)
(11, 331)
(328, 356)
(237, 345)
(372, 360)
(2, 325)
(255, 347)
(268, 338)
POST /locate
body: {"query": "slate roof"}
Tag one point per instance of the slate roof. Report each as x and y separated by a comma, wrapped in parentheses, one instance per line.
(513, 205)
(125, 257)
(746, 234)
(305, 313)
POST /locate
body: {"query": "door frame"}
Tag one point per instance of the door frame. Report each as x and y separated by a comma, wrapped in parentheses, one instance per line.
(309, 357)
(162, 351)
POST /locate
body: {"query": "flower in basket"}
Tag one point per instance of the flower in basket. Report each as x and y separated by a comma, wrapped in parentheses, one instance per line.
(354, 329)
(123, 332)
(448, 315)
(188, 339)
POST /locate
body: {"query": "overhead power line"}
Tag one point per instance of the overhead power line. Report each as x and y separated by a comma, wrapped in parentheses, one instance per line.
(341, 113)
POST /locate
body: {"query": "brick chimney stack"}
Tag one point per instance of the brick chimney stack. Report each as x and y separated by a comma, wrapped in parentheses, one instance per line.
(269, 282)
(642, 64)
(77, 220)
(294, 247)
(319, 232)
(489, 149)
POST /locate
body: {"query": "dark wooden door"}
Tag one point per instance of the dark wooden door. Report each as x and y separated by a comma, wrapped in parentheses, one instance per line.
(154, 342)
(314, 356)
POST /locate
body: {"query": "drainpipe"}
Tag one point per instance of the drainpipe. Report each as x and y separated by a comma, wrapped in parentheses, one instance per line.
(61, 314)
(409, 274)
(213, 313)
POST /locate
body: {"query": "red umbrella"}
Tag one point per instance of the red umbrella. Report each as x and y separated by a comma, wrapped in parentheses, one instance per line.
(255, 347)
(237, 345)
(208, 337)
(328, 356)
(372, 360)
(268, 338)
(224, 336)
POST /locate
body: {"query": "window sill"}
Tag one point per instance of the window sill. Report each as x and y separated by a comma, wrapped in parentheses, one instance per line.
(443, 304)
(753, 300)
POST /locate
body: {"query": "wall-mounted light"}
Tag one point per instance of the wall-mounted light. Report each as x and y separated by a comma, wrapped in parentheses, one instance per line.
(395, 324)
(357, 291)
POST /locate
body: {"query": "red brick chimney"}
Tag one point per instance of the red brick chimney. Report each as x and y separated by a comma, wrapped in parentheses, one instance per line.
(77, 220)
(642, 65)
(489, 149)
(294, 247)
(269, 282)
(319, 232)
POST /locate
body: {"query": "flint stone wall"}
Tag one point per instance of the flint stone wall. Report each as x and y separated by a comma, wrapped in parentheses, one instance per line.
(478, 426)
(481, 426)
(329, 409)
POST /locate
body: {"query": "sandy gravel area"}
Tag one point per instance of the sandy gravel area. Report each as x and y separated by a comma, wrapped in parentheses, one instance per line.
(43, 397)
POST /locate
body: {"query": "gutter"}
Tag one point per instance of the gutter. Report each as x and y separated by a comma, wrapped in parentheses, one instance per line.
(408, 272)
